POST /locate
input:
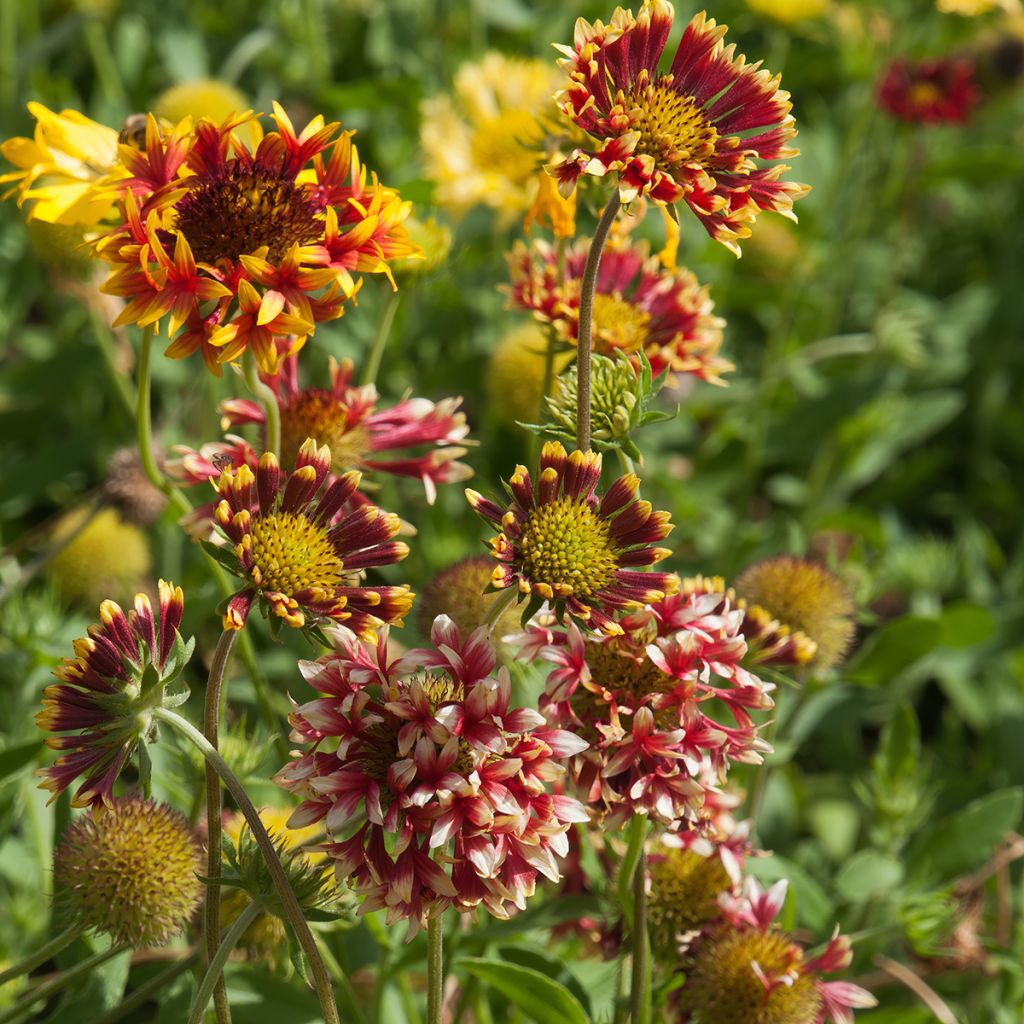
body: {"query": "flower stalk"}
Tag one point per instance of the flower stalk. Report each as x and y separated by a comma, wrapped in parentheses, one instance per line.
(587, 290)
(272, 440)
(321, 978)
(214, 976)
(640, 982)
(40, 956)
(380, 339)
(435, 969)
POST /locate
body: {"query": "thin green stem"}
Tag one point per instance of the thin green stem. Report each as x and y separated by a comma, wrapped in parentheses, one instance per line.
(265, 393)
(498, 606)
(142, 994)
(211, 912)
(41, 955)
(293, 911)
(380, 339)
(48, 988)
(435, 969)
(105, 343)
(760, 783)
(587, 289)
(214, 975)
(625, 461)
(103, 61)
(640, 982)
(144, 412)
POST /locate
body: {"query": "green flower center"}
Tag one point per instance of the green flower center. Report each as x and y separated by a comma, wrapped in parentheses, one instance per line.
(291, 553)
(619, 324)
(317, 413)
(684, 897)
(673, 129)
(566, 543)
(722, 988)
(504, 144)
(239, 211)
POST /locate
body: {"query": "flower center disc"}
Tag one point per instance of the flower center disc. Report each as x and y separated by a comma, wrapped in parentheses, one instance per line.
(317, 413)
(672, 127)
(566, 543)
(293, 554)
(505, 143)
(240, 210)
(619, 324)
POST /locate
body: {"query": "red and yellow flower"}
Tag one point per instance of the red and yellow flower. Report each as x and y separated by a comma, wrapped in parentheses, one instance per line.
(302, 549)
(639, 306)
(243, 243)
(705, 132)
(433, 792)
(559, 542)
(940, 91)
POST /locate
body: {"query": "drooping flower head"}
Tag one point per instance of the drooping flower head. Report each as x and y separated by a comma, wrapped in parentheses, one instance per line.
(703, 132)
(486, 143)
(939, 91)
(245, 244)
(640, 699)
(418, 765)
(346, 418)
(746, 970)
(130, 871)
(559, 542)
(806, 597)
(107, 692)
(299, 549)
(66, 170)
(639, 306)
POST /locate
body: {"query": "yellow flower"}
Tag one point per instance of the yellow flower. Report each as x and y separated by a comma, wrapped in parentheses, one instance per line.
(203, 97)
(65, 169)
(790, 11)
(515, 376)
(485, 143)
(972, 8)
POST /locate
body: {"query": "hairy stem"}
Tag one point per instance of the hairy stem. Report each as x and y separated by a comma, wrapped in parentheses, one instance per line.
(293, 911)
(41, 955)
(214, 976)
(380, 339)
(211, 911)
(587, 289)
(265, 393)
(435, 969)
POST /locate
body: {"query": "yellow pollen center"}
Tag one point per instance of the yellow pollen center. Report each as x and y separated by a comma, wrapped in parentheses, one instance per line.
(506, 145)
(566, 544)
(924, 94)
(319, 414)
(619, 324)
(672, 127)
(291, 553)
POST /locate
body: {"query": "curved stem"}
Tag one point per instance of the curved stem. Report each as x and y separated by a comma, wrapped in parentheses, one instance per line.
(380, 339)
(143, 992)
(214, 975)
(265, 393)
(498, 606)
(587, 289)
(640, 985)
(283, 888)
(48, 988)
(435, 969)
(211, 912)
(41, 955)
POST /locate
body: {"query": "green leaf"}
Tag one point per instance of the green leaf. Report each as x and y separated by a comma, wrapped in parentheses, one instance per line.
(895, 647)
(13, 759)
(966, 625)
(541, 999)
(965, 840)
(868, 874)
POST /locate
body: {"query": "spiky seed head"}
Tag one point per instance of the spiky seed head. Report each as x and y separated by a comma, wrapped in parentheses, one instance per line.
(684, 897)
(463, 593)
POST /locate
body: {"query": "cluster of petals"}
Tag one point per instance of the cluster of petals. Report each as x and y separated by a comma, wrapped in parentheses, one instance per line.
(432, 790)
(939, 91)
(347, 419)
(301, 545)
(105, 689)
(706, 132)
(639, 700)
(757, 909)
(239, 245)
(640, 306)
(560, 542)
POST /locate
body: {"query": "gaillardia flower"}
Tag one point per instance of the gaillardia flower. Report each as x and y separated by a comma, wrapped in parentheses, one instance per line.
(939, 91)
(559, 542)
(487, 142)
(746, 970)
(433, 791)
(130, 871)
(806, 597)
(107, 692)
(702, 132)
(67, 170)
(641, 700)
(346, 418)
(246, 244)
(300, 552)
(638, 306)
